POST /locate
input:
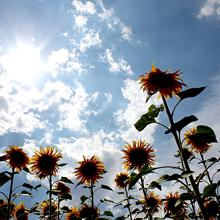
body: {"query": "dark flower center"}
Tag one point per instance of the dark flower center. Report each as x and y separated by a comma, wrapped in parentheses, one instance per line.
(138, 157)
(17, 157)
(89, 169)
(161, 80)
(47, 163)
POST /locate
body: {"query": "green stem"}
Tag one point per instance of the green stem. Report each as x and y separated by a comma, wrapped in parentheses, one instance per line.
(185, 162)
(58, 208)
(10, 195)
(50, 197)
(145, 197)
(128, 202)
(92, 198)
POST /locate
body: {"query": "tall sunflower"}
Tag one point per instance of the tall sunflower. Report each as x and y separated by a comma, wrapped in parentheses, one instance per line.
(196, 141)
(45, 162)
(122, 180)
(173, 205)
(153, 202)
(20, 212)
(16, 158)
(89, 170)
(137, 154)
(161, 81)
(212, 208)
(74, 214)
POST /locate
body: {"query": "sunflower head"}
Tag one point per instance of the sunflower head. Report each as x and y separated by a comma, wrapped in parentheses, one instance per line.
(122, 180)
(137, 154)
(73, 214)
(62, 189)
(153, 202)
(20, 212)
(45, 208)
(16, 158)
(173, 205)
(196, 140)
(89, 170)
(89, 212)
(212, 208)
(45, 162)
(161, 81)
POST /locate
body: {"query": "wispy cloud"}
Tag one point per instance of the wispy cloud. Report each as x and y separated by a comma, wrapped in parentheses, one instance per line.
(116, 66)
(87, 8)
(211, 7)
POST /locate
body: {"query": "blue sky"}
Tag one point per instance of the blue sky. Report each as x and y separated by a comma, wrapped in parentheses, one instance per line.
(77, 87)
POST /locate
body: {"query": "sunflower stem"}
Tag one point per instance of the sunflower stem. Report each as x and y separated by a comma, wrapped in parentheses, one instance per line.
(58, 208)
(92, 198)
(128, 203)
(50, 197)
(185, 162)
(145, 197)
(10, 195)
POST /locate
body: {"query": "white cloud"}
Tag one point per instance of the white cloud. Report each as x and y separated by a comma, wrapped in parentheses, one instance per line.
(63, 60)
(81, 20)
(135, 107)
(113, 22)
(91, 39)
(211, 7)
(116, 66)
(87, 8)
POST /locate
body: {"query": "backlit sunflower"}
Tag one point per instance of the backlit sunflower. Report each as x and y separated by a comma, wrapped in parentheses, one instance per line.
(3, 209)
(45, 209)
(211, 207)
(196, 141)
(74, 214)
(152, 202)
(158, 81)
(137, 154)
(122, 180)
(173, 205)
(62, 189)
(45, 162)
(20, 212)
(89, 212)
(89, 170)
(16, 158)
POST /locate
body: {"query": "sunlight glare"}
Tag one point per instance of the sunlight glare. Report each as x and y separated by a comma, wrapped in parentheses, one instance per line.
(23, 63)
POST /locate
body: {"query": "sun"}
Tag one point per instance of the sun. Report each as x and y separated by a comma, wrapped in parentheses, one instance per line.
(23, 63)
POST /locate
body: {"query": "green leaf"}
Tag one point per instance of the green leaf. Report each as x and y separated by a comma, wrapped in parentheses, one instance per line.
(145, 170)
(106, 187)
(120, 218)
(186, 174)
(208, 133)
(25, 193)
(62, 164)
(155, 184)
(178, 126)
(37, 186)
(27, 185)
(66, 180)
(108, 213)
(4, 178)
(133, 179)
(189, 93)
(149, 117)
(209, 190)
(65, 209)
(2, 158)
(186, 196)
(83, 198)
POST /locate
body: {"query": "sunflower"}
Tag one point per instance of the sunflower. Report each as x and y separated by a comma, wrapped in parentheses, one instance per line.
(89, 170)
(173, 205)
(62, 189)
(16, 158)
(45, 162)
(20, 212)
(211, 207)
(89, 212)
(74, 214)
(158, 81)
(153, 202)
(138, 154)
(196, 140)
(122, 180)
(45, 209)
